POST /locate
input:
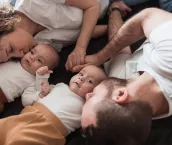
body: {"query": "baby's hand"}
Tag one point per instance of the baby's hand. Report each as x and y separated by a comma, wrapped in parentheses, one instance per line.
(43, 71)
(45, 89)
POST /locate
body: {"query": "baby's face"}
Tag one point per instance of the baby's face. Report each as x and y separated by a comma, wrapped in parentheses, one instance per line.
(85, 81)
(41, 55)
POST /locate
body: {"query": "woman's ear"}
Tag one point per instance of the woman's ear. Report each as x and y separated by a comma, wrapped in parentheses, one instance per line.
(120, 96)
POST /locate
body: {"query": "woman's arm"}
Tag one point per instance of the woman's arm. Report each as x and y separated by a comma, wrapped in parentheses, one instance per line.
(91, 14)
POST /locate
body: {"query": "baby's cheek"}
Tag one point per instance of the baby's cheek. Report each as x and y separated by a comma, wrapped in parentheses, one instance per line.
(89, 89)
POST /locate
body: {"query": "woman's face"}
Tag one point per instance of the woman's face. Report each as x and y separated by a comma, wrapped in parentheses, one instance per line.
(15, 44)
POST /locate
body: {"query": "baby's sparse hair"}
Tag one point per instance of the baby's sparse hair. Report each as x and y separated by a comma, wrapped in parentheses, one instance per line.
(102, 70)
(56, 59)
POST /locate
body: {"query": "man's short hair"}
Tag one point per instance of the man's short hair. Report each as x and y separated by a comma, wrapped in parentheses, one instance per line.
(123, 124)
(111, 82)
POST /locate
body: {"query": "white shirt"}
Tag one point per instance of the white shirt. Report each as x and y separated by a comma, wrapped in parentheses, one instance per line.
(66, 105)
(63, 103)
(63, 22)
(14, 79)
(124, 66)
(157, 60)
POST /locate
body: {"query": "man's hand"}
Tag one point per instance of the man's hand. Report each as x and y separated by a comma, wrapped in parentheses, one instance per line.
(123, 7)
(45, 89)
(89, 60)
(43, 71)
(75, 58)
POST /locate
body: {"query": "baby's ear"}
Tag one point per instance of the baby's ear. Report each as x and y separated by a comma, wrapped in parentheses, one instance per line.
(120, 95)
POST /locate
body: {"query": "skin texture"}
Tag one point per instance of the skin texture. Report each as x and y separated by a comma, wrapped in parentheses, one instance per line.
(91, 9)
(81, 84)
(115, 22)
(15, 44)
(38, 57)
(86, 80)
(138, 26)
(88, 114)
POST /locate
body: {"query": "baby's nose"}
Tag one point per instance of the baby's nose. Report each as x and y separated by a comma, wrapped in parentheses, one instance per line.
(32, 57)
(81, 79)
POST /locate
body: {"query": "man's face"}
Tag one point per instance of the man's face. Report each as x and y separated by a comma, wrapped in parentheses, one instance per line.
(39, 56)
(86, 80)
(88, 115)
(15, 44)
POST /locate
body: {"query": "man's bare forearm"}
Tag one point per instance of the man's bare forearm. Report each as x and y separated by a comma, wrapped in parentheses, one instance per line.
(130, 32)
(114, 24)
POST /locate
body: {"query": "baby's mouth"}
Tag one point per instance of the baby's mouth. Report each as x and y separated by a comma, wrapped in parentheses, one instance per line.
(27, 61)
(77, 84)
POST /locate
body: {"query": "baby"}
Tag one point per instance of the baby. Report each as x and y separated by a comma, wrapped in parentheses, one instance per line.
(16, 76)
(54, 116)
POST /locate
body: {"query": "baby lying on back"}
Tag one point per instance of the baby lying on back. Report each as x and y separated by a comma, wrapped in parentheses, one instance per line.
(17, 76)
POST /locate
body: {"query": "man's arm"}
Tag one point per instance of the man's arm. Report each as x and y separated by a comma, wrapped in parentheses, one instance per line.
(115, 23)
(134, 29)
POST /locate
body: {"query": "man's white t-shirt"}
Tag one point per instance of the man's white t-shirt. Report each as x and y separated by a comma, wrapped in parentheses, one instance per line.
(157, 60)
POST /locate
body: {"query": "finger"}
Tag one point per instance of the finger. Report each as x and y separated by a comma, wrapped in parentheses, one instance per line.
(50, 71)
(82, 59)
(79, 67)
(77, 60)
(70, 62)
(128, 9)
(66, 65)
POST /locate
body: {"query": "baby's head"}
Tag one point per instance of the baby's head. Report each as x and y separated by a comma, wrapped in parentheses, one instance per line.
(86, 80)
(40, 55)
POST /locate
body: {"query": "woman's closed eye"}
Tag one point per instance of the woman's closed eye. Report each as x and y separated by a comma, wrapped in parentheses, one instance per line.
(31, 52)
(11, 50)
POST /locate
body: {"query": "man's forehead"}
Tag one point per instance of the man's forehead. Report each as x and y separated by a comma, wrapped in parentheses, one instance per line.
(101, 88)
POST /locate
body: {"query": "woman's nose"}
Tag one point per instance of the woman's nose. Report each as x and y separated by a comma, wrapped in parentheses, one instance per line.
(19, 54)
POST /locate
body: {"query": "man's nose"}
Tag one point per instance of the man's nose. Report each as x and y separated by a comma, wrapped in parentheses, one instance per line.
(88, 96)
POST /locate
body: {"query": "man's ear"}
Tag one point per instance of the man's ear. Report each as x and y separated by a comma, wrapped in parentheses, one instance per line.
(120, 96)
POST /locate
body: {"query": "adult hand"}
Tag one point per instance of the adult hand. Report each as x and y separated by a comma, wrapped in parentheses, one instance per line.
(89, 60)
(122, 6)
(75, 58)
